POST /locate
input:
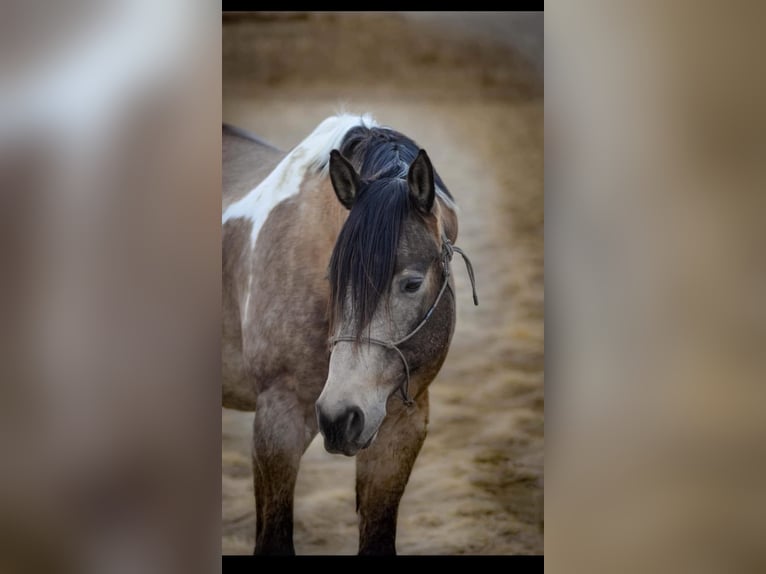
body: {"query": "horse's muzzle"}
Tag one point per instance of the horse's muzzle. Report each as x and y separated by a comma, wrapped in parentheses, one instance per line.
(343, 431)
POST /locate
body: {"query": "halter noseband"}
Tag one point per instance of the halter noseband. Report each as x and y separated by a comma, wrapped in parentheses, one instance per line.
(447, 251)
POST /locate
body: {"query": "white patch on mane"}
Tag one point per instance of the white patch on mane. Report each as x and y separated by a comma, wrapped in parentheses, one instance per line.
(284, 182)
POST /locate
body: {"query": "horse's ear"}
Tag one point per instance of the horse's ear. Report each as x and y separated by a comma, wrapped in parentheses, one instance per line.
(345, 180)
(421, 181)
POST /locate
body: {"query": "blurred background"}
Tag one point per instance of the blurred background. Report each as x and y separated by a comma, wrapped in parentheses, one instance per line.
(468, 87)
(655, 283)
(110, 181)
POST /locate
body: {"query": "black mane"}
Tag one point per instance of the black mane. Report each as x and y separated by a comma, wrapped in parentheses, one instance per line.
(364, 258)
(379, 153)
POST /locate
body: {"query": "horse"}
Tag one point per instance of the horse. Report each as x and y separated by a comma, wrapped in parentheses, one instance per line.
(338, 310)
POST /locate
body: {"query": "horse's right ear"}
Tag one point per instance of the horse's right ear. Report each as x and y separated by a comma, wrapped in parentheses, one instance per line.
(345, 180)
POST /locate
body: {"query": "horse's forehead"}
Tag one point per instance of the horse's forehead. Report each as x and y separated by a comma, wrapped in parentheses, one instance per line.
(418, 241)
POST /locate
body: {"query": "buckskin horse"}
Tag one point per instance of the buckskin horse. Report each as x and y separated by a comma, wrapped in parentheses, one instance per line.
(338, 310)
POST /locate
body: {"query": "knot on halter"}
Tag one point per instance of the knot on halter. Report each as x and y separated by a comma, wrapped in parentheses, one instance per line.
(448, 250)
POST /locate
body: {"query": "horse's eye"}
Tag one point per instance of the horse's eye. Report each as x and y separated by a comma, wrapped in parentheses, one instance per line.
(412, 285)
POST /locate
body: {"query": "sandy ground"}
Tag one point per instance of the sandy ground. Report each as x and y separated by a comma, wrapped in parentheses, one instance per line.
(476, 104)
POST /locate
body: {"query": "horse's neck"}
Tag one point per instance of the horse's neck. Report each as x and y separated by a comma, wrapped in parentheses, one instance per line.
(319, 215)
(303, 233)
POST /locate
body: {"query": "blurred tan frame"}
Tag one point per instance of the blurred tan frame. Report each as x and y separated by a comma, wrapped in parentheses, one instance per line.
(656, 251)
(109, 297)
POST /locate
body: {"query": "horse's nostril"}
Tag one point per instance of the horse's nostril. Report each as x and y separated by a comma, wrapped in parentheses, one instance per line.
(355, 423)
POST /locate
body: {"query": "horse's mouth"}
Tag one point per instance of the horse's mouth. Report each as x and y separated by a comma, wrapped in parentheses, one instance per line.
(350, 449)
(369, 442)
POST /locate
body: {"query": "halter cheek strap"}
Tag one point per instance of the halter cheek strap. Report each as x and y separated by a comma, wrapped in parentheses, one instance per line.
(447, 251)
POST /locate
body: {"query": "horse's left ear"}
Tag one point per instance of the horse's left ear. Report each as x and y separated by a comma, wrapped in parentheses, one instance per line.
(420, 178)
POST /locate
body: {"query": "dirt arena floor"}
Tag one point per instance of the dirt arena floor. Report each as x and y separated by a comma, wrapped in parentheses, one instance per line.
(470, 91)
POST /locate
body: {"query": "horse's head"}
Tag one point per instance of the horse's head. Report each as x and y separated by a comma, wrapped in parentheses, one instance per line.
(392, 307)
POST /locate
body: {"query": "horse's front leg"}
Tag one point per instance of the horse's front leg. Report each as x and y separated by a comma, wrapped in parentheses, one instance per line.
(283, 429)
(382, 471)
